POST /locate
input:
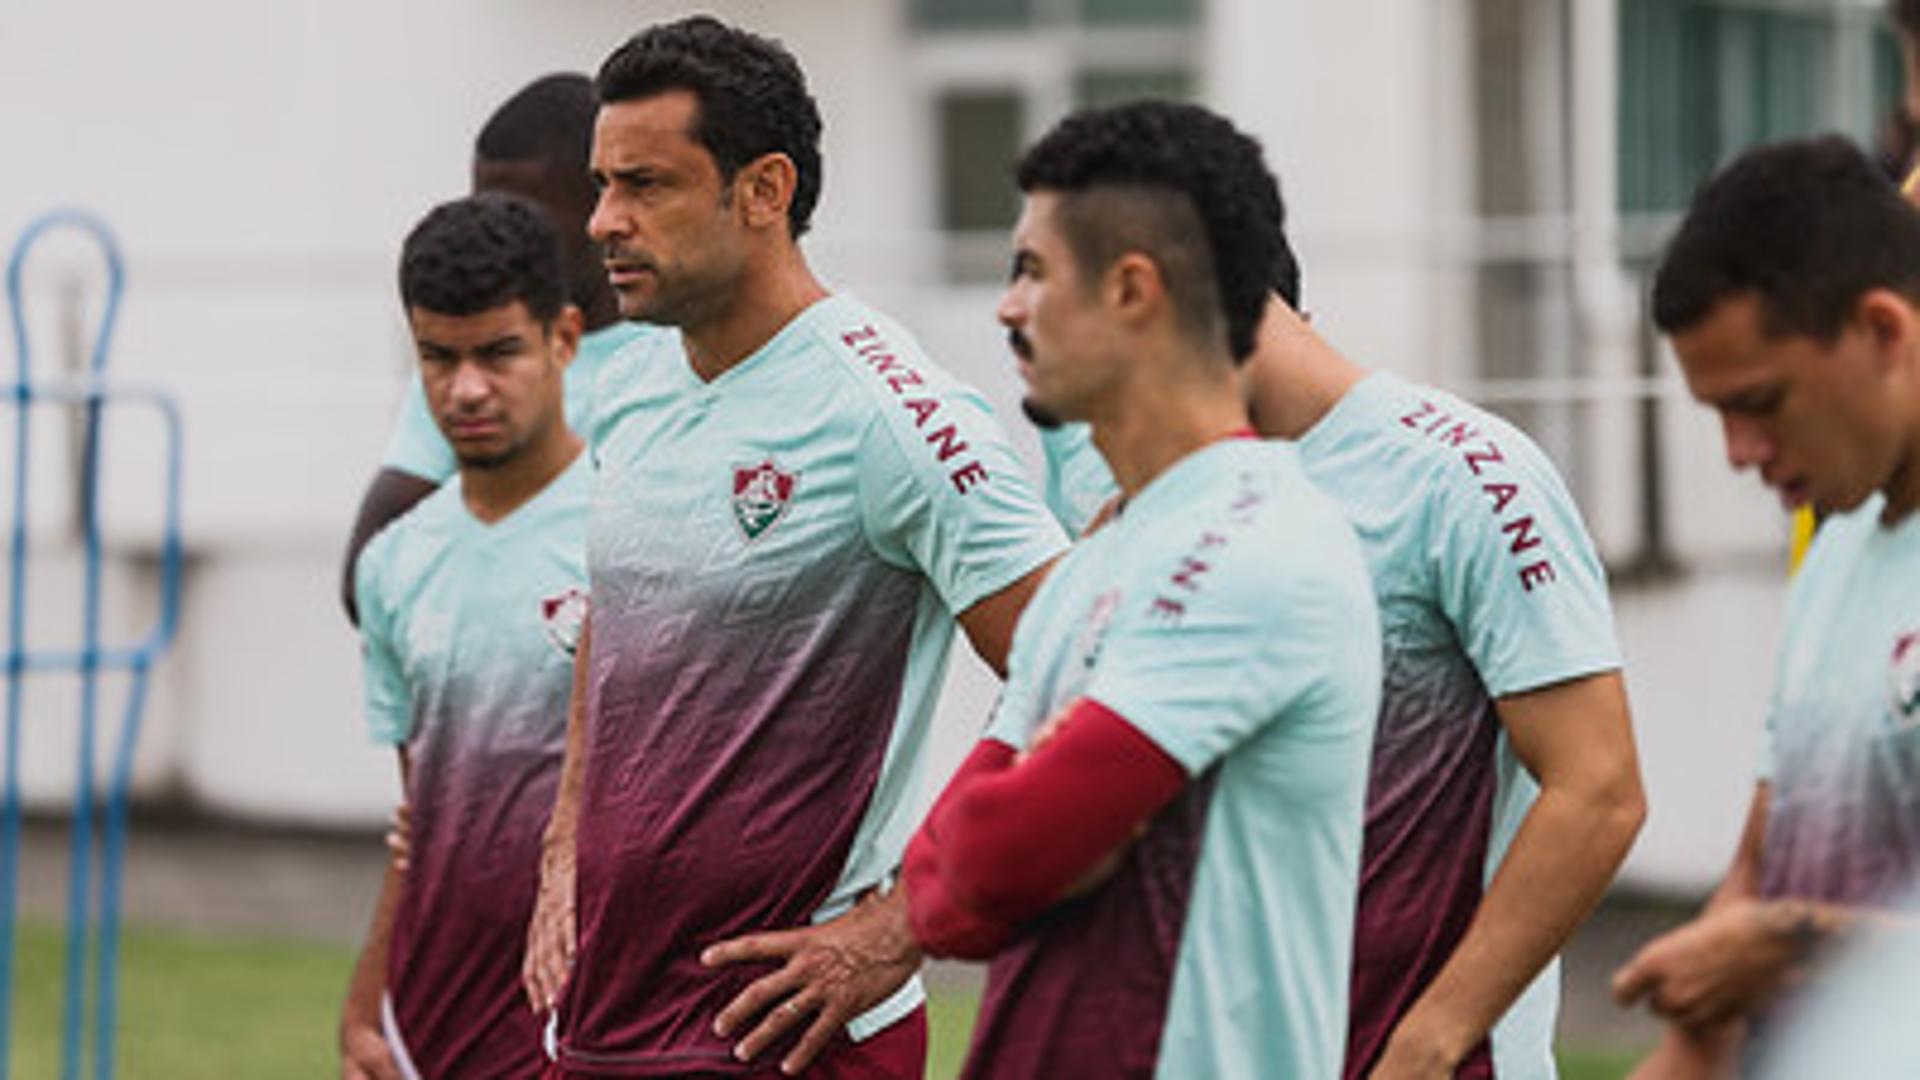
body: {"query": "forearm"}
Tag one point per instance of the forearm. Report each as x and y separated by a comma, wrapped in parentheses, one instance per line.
(1554, 873)
(1807, 927)
(1013, 842)
(940, 923)
(369, 981)
(559, 834)
(1742, 879)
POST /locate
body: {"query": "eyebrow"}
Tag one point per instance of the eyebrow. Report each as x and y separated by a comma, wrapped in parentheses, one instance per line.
(1753, 398)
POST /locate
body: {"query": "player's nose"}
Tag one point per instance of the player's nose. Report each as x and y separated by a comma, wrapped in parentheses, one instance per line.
(469, 383)
(603, 223)
(1748, 444)
(1012, 309)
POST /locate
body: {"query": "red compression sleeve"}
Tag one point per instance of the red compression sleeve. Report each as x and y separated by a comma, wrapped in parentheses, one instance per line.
(941, 924)
(1012, 842)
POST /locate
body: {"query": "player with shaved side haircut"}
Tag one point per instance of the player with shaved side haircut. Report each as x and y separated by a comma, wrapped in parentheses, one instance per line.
(1157, 842)
(1504, 787)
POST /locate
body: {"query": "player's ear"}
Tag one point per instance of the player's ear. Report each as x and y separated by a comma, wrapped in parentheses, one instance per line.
(565, 333)
(1134, 287)
(764, 190)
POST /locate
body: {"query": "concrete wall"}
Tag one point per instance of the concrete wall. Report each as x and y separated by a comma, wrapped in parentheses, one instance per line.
(262, 176)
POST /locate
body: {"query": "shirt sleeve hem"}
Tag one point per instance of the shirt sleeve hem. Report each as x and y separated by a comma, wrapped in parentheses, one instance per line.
(977, 586)
(1541, 676)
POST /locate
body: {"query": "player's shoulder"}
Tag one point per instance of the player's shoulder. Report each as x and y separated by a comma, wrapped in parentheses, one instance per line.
(885, 386)
(396, 560)
(1446, 455)
(620, 356)
(1246, 511)
(879, 361)
(1837, 545)
(401, 551)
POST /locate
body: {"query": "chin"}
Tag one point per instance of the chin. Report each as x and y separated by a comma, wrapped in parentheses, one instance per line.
(1041, 416)
(485, 461)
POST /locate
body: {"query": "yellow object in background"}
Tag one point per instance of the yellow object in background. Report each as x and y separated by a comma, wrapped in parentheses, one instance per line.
(1804, 525)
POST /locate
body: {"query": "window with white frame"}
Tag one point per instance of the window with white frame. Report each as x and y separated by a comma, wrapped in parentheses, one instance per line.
(1697, 81)
(994, 74)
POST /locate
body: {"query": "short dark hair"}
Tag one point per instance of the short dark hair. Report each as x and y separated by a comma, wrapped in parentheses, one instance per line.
(753, 97)
(1286, 269)
(481, 252)
(548, 120)
(1181, 184)
(1808, 225)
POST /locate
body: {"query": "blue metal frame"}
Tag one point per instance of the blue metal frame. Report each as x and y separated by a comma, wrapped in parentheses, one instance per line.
(89, 661)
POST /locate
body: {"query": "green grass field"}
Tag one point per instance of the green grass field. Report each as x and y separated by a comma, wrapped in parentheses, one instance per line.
(201, 1008)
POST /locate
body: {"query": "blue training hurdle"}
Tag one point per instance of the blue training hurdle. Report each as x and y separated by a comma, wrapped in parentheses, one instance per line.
(93, 918)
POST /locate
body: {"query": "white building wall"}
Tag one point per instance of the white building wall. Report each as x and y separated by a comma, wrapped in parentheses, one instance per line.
(262, 161)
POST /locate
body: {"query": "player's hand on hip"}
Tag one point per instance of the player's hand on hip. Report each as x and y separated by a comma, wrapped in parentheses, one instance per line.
(1417, 1052)
(365, 1055)
(400, 837)
(550, 933)
(1720, 966)
(828, 975)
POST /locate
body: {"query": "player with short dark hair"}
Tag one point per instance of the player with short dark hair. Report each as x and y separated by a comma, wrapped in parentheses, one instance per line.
(534, 145)
(470, 605)
(1791, 294)
(1157, 841)
(752, 99)
(796, 508)
(1504, 787)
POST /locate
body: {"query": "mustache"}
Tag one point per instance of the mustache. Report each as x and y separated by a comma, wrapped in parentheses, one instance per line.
(1018, 342)
(627, 257)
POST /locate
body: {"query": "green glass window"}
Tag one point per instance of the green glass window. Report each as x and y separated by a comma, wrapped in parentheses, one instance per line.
(1100, 12)
(1702, 80)
(980, 134)
(970, 14)
(1112, 87)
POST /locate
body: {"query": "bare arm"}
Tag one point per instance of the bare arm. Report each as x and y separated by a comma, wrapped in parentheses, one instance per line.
(551, 930)
(989, 623)
(1577, 740)
(1710, 1051)
(391, 494)
(364, 1054)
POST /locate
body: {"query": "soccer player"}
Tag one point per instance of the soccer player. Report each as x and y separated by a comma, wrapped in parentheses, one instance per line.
(535, 145)
(1160, 832)
(1792, 296)
(470, 608)
(1505, 788)
(795, 507)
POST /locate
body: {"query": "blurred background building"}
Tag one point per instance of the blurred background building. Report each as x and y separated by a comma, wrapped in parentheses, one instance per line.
(1476, 188)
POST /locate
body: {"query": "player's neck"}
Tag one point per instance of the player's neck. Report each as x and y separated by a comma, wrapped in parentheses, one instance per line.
(1152, 427)
(493, 493)
(769, 296)
(1902, 491)
(1294, 378)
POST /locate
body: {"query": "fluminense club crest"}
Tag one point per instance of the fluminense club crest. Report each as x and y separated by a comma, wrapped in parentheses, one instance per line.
(761, 495)
(562, 615)
(1903, 682)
